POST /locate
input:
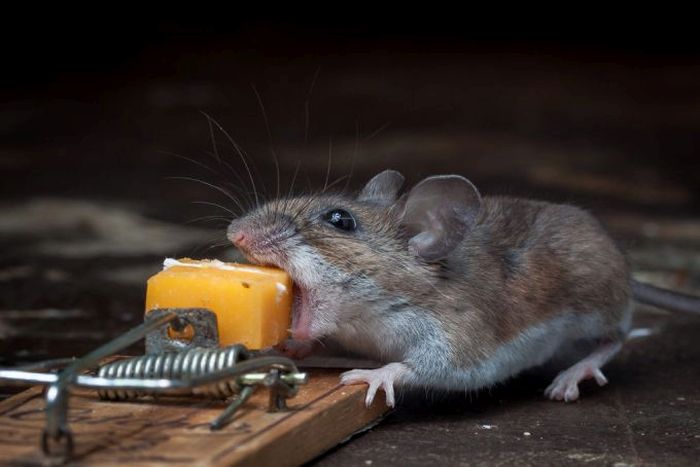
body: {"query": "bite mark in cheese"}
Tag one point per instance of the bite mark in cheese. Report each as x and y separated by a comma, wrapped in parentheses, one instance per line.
(252, 303)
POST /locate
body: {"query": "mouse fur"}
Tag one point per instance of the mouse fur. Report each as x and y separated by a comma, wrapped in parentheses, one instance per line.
(450, 289)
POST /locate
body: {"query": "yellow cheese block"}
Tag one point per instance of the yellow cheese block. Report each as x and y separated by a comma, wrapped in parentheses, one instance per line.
(252, 303)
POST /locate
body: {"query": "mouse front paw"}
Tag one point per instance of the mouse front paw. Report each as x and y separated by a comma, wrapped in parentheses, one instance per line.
(383, 377)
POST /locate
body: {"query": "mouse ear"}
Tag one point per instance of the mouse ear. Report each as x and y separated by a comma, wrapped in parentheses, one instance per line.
(438, 213)
(383, 188)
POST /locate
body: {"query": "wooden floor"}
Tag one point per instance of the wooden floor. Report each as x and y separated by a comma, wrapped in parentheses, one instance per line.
(87, 211)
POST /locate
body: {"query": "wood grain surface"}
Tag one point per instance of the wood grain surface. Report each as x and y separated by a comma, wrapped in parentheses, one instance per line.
(176, 430)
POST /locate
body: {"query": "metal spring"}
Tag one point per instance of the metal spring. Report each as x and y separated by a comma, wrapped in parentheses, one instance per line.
(175, 365)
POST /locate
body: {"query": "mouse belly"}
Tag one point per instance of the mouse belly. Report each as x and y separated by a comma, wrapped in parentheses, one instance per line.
(431, 369)
(531, 348)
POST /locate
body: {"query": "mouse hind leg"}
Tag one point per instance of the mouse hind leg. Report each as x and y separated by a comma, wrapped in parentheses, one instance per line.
(565, 385)
(606, 343)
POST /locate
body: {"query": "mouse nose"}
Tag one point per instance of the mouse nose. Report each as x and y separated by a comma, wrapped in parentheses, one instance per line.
(238, 238)
(238, 233)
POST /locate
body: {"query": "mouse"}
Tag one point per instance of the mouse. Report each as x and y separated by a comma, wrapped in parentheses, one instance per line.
(448, 289)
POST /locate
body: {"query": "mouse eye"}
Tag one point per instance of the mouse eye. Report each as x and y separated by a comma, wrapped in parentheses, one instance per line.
(341, 219)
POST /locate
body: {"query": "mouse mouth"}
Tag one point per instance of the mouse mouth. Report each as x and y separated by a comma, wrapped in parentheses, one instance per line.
(302, 303)
(302, 308)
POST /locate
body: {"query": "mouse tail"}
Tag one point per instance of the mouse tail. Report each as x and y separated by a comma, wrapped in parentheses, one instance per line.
(663, 298)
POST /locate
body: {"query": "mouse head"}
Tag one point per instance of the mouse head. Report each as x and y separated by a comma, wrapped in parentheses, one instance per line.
(350, 255)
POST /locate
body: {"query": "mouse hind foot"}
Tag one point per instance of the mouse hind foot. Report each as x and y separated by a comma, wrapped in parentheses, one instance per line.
(565, 385)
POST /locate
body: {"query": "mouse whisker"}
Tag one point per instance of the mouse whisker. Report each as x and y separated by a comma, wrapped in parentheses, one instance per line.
(291, 188)
(307, 106)
(336, 181)
(241, 187)
(212, 218)
(208, 245)
(209, 203)
(269, 137)
(302, 209)
(277, 176)
(214, 154)
(221, 190)
(217, 245)
(212, 136)
(190, 160)
(211, 170)
(354, 156)
(330, 163)
(240, 153)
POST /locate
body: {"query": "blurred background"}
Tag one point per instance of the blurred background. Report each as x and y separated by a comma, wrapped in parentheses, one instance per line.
(120, 133)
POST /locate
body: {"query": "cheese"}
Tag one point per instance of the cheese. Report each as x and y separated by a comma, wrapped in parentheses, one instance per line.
(252, 303)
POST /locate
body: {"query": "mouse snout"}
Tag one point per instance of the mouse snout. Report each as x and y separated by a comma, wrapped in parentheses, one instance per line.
(259, 239)
(239, 235)
(238, 238)
(235, 231)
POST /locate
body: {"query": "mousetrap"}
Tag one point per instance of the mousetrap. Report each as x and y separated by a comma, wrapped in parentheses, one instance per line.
(185, 401)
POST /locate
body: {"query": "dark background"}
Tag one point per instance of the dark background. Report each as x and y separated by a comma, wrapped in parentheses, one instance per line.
(99, 109)
(109, 93)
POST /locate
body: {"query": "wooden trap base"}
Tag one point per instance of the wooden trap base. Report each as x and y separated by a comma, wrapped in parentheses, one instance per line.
(176, 430)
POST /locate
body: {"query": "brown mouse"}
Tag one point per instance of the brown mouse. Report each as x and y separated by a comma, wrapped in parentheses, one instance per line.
(450, 289)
